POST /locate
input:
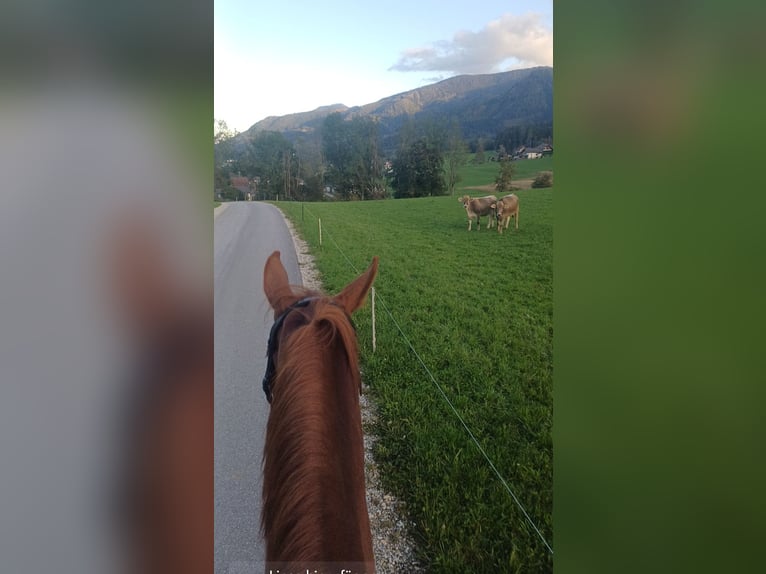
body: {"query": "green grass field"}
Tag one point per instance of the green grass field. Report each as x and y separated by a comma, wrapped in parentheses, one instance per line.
(477, 307)
(474, 175)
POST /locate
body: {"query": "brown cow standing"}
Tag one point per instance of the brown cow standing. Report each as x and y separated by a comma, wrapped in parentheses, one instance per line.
(477, 207)
(506, 208)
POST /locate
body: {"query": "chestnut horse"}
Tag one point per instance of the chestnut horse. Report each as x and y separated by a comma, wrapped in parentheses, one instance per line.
(314, 512)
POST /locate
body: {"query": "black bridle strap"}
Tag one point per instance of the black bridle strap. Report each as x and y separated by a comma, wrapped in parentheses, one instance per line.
(273, 344)
(268, 377)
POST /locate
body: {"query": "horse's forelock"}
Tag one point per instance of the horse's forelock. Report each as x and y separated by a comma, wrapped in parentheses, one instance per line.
(326, 323)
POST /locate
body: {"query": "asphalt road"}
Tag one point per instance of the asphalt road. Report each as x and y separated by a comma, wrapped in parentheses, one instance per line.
(246, 233)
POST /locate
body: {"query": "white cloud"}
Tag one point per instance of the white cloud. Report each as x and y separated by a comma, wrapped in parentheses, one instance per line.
(507, 43)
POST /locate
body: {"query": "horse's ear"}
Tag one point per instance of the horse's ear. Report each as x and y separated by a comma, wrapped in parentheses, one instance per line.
(275, 283)
(353, 296)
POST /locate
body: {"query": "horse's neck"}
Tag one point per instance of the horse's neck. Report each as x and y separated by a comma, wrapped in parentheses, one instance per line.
(340, 425)
(329, 521)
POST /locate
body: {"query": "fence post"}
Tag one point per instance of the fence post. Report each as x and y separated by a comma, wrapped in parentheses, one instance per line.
(373, 320)
(320, 231)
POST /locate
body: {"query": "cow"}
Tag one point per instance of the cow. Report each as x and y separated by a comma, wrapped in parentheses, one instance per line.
(505, 209)
(477, 207)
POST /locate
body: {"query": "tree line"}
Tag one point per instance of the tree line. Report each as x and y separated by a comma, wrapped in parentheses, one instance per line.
(343, 160)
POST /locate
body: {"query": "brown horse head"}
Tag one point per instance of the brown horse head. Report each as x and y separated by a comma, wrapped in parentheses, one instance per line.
(314, 508)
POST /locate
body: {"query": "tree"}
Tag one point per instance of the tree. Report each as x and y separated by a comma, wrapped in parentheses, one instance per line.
(271, 158)
(311, 166)
(350, 149)
(455, 155)
(223, 162)
(418, 170)
(222, 132)
(543, 179)
(503, 179)
(479, 158)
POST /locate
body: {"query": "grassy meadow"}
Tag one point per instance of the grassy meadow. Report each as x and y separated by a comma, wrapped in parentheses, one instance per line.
(477, 307)
(475, 175)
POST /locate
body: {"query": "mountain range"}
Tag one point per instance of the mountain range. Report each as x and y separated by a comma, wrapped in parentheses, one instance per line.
(482, 104)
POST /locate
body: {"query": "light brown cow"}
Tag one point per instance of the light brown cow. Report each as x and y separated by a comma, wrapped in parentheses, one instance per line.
(505, 209)
(477, 207)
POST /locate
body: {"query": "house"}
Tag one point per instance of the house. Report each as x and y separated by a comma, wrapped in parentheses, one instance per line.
(524, 152)
(241, 184)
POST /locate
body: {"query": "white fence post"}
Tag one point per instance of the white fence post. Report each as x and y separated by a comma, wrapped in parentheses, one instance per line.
(320, 230)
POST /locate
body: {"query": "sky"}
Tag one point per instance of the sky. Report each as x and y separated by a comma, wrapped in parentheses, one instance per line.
(277, 58)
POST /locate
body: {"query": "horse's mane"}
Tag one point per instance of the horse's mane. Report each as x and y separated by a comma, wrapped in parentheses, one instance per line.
(314, 439)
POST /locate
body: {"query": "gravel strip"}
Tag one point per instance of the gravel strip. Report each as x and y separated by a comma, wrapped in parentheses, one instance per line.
(391, 543)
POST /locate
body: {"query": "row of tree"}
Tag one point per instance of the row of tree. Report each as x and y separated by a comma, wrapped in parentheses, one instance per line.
(342, 160)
